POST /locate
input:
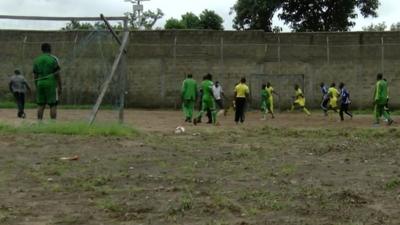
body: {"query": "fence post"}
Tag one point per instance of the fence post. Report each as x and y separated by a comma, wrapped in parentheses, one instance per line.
(222, 57)
(382, 55)
(279, 53)
(328, 59)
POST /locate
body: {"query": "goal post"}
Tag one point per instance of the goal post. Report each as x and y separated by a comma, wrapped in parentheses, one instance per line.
(120, 59)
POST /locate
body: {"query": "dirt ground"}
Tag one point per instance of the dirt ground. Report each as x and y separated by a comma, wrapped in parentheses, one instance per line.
(290, 170)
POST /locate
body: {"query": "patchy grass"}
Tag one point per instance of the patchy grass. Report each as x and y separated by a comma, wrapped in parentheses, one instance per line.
(70, 128)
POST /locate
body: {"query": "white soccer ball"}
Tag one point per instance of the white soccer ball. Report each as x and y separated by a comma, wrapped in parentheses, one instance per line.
(179, 130)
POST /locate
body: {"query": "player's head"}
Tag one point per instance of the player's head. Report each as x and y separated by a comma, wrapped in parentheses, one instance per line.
(46, 48)
(190, 75)
(263, 86)
(322, 84)
(268, 84)
(208, 76)
(341, 85)
(379, 76)
(243, 80)
(333, 84)
(296, 86)
(216, 83)
(17, 72)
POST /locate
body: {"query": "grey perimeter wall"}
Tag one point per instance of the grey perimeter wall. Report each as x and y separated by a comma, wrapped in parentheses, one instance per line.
(158, 60)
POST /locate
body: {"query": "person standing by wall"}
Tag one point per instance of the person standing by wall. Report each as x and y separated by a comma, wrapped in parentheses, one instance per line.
(18, 87)
(46, 70)
(271, 91)
(380, 100)
(242, 92)
(189, 96)
(218, 93)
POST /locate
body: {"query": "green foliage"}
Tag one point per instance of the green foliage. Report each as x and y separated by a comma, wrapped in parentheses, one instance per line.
(148, 20)
(325, 15)
(211, 20)
(395, 27)
(307, 15)
(64, 128)
(375, 27)
(255, 14)
(174, 24)
(191, 21)
(76, 25)
(208, 19)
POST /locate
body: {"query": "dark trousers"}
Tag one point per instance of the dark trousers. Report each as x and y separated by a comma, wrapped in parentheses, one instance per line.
(20, 98)
(344, 108)
(240, 109)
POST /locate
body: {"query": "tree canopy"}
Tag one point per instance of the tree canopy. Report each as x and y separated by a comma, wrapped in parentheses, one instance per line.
(208, 19)
(302, 15)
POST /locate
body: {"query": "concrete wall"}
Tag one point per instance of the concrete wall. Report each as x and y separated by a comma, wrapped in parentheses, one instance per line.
(158, 60)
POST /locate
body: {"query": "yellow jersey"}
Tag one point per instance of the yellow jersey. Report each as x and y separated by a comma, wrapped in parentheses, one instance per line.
(241, 90)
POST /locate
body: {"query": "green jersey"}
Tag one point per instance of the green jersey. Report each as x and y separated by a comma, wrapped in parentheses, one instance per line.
(44, 67)
(265, 95)
(381, 92)
(189, 89)
(206, 86)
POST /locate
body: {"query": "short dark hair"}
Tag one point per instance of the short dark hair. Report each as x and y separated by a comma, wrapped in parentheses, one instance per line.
(208, 76)
(333, 84)
(243, 80)
(263, 86)
(296, 86)
(17, 72)
(46, 47)
(379, 76)
(190, 75)
(322, 84)
(341, 85)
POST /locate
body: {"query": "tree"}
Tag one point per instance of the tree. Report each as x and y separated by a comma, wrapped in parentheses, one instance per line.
(191, 21)
(208, 19)
(395, 27)
(211, 20)
(325, 15)
(76, 25)
(174, 24)
(148, 20)
(302, 15)
(255, 14)
(376, 27)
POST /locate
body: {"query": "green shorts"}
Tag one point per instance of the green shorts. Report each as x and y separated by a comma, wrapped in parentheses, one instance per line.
(46, 95)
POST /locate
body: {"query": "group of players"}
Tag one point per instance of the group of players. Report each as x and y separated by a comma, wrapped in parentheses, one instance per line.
(333, 99)
(46, 72)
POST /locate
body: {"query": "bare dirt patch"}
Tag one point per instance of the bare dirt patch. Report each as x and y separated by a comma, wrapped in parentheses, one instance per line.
(292, 170)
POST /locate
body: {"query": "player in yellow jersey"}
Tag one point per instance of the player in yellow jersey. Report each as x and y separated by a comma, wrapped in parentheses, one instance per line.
(299, 100)
(271, 92)
(333, 94)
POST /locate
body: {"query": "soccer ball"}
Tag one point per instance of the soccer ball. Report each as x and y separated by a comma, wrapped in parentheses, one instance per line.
(179, 130)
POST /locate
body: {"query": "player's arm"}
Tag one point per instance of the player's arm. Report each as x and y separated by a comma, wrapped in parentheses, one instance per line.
(57, 71)
(35, 75)
(10, 86)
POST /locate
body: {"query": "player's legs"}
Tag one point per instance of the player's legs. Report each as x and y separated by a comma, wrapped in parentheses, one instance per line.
(271, 110)
(386, 115)
(306, 111)
(40, 111)
(378, 113)
(271, 102)
(53, 112)
(264, 110)
(324, 106)
(240, 102)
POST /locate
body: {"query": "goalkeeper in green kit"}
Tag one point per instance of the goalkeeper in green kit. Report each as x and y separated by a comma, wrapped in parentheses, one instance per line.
(189, 96)
(380, 100)
(207, 100)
